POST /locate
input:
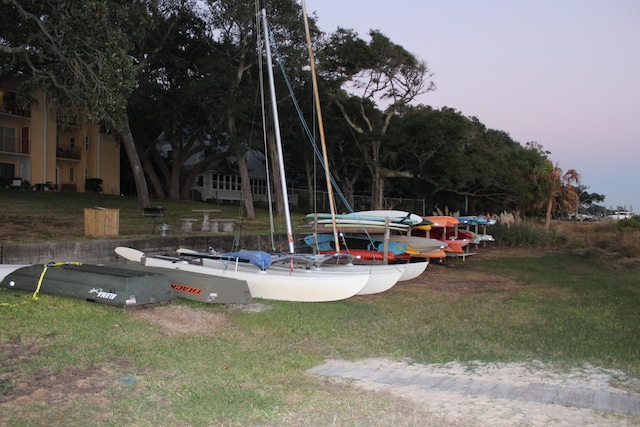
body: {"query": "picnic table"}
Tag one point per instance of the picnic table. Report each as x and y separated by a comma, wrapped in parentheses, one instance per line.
(206, 225)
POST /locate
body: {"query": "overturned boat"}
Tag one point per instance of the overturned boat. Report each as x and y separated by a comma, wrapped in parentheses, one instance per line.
(194, 286)
(102, 284)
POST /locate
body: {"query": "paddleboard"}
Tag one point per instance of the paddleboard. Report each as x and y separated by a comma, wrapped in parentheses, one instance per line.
(326, 242)
(419, 244)
(393, 215)
(351, 228)
(396, 217)
(355, 221)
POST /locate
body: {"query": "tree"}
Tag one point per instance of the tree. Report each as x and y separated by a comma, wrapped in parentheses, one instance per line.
(589, 199)
(79, 53)
(174, 100)
(564, 192)
(234, 34)
(378, 72)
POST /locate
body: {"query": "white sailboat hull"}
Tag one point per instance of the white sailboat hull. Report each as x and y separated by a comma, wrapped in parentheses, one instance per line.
(6, 269)
(413, 270)
(284, 284)
(381, 277)
(274, 283)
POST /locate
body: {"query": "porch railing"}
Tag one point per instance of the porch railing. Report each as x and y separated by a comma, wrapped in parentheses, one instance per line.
(9, 144)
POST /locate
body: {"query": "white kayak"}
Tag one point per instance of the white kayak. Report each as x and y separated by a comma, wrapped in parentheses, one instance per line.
(420, 244)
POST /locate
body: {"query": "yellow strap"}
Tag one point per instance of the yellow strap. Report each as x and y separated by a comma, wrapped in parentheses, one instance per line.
(35, 293)
(44, 270)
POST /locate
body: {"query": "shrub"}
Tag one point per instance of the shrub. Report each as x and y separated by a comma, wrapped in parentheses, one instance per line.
(93, 185)
(528, 234)
(628, 225)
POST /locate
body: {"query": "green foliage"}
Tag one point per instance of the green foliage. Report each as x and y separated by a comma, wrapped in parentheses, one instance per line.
(628, 225)
(93, 185)
(79, 54)
(194, 78)
(528, 234)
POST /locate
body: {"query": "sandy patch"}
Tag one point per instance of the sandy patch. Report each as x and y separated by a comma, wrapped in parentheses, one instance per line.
(178, 319)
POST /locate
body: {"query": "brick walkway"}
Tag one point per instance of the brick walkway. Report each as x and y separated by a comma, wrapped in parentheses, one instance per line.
(606, 401)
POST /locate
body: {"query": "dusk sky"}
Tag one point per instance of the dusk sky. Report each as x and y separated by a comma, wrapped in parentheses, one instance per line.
(563, 73)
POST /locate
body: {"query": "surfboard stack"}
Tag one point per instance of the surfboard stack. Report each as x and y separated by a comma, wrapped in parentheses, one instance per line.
(369, 235)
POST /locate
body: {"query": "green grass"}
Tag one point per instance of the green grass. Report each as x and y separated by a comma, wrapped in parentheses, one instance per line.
(66, 358)
(576, 309)
(29, 216)
(566, 310)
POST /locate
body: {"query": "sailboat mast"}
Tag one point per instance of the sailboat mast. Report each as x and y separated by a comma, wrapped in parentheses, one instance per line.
(276, 125)
(312, 62)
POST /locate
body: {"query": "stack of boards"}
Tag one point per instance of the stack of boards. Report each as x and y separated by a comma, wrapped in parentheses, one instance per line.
(372, 222)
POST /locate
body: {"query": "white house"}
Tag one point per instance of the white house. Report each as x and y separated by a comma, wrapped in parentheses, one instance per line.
(216, 185)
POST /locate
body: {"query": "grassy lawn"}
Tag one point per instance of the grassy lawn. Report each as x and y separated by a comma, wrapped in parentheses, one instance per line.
(249, 367)
(66, 361)
(57, 216)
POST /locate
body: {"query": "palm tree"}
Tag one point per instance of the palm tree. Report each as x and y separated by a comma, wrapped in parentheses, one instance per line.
(564, 193)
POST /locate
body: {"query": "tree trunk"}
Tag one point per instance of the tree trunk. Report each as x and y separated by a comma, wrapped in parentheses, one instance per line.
(377, 191)
(310, 184)
(136, 166)
(147, 165)
(246, 184)
(275, 173)
(547, 221)
(174, 179)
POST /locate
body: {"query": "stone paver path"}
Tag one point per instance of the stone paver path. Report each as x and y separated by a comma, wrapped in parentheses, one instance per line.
(606, 401)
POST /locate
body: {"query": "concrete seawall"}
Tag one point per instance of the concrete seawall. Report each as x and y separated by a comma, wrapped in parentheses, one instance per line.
(101, 251)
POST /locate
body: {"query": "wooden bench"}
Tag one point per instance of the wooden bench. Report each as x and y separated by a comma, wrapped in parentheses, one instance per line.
(153, 213)
(187, 224)
(222, 225)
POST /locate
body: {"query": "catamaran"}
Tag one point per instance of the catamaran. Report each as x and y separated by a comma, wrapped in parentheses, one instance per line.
(264, 280)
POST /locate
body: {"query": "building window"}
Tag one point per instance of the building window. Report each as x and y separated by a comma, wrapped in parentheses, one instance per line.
(72, 143)
(72, 174)
(258, 186)
(200, 180)
(86, 143)
(7, 139)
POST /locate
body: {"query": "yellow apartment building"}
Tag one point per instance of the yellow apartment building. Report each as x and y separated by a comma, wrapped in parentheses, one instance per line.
(36, 149)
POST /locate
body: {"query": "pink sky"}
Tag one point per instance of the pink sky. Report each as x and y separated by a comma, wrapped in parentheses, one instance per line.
(563, 73)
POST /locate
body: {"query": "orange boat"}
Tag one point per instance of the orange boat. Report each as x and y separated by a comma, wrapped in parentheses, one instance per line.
(442, 221)
(439, 254)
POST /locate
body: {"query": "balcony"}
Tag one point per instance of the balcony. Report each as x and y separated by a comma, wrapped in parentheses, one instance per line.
(9, 106)
(9, 144)
(68, 153)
